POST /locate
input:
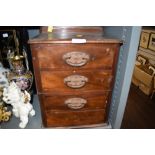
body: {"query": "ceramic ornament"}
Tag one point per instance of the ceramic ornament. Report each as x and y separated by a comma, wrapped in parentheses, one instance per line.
(20, 102)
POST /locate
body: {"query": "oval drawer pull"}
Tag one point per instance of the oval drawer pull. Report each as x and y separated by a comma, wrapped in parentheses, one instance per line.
(76, 58)
(75, 103)
(75, 81)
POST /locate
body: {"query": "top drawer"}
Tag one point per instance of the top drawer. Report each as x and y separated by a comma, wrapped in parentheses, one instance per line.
(67, 56)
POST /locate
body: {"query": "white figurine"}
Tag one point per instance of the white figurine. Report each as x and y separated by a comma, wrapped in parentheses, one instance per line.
(3, 76)
(20, 102)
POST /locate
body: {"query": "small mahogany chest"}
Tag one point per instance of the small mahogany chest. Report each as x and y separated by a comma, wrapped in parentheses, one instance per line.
(74, 71)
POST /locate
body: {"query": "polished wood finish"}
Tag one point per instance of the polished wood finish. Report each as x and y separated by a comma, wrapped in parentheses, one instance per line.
(51, 55)
(57, 38)
(94, 101)
(74, 80)
(54, 80)
(74, 118)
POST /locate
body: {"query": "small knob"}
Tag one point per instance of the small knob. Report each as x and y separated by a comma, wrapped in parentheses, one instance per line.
(107, 49)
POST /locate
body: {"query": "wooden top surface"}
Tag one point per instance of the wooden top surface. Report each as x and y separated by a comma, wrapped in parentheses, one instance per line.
(67, 38)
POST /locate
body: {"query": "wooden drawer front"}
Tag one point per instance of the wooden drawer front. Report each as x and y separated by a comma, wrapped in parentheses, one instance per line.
(67, 56)
(85, 101)
(68, 81)
(74, 118)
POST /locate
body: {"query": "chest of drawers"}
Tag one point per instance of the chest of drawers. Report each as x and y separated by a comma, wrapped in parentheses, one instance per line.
(74, 80)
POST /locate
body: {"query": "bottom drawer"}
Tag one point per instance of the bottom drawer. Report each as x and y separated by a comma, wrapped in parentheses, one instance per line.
(74, 118)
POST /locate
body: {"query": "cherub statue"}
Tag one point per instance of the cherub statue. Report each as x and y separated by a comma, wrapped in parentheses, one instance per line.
(20, 102)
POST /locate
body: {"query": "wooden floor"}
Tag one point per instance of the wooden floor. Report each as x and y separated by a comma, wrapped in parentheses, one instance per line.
(140, 111)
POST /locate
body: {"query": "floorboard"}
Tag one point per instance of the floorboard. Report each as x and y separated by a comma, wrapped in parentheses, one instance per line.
(140, 110)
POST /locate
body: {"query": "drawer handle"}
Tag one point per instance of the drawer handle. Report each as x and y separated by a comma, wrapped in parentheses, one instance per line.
(75, 103)
(75, 81)
(76, 59)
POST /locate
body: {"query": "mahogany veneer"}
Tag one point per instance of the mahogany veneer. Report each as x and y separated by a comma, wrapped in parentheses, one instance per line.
(74, 80)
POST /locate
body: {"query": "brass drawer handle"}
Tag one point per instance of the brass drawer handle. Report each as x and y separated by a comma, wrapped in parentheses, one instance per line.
(75, 81)
(76, 58)
(75, 103)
